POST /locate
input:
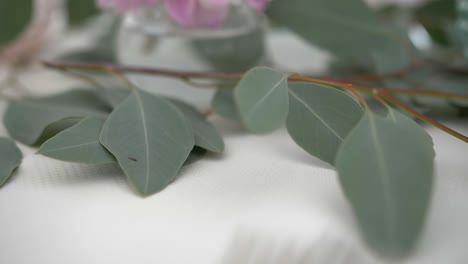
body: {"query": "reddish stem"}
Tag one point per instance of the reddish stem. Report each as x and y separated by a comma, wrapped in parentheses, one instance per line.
(381, 76)
(237, 75)
(427, 119)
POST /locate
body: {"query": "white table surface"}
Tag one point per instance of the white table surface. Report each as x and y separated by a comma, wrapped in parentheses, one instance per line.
(263, 201)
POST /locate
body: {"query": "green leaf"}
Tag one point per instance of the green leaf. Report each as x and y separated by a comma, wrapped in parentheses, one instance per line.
(114, 97)
(463, 24)
(206, 135)
(450, 84)
(320, 117)
(262, 99)
(348, 29)
(384, 65)
(15, 15)
(26, 120)
(385, 166)
(10, 159)
(81, 10)
(54, 128)
(79, 143)
(440, 10)
(195, 155)
(223, 104)
(150, 138)
(436, 16)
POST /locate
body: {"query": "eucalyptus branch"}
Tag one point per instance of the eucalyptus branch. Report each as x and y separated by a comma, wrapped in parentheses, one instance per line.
(184, 75)
(381, 76)
(83, 77)
(423, 117)
(143, 70)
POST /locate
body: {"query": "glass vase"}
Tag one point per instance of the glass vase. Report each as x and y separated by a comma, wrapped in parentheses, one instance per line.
(149, 37)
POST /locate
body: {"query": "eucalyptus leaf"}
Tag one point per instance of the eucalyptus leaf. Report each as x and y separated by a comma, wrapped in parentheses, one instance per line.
(10, 159)
(15, 15)
(348, 29)
(435, 16)
(437, 10)
(223, 104)
(385, 167)
(114, 97)
(81, 10)
(79, 143)
(384, 65)
(26, 120)
(262, 99)
(462, 6)
(56, 127)
(320, 117)
(206, 135)
(196, 154)
(451, 84)
(150, 138)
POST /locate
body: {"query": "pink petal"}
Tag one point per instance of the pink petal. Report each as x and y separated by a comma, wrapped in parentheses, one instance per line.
(196, 13)
(258, 5)
(182, 11)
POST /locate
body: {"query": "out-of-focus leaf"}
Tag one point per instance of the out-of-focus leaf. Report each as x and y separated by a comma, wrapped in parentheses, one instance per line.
(114, 96)
(463, 23)
(28, 120)
(450, 84)
(348, 29)
(320, 117)
(385, 166)
(206, 135)
(437, 10)
(262, 99)
(435, 16)
(15, 15)
(56, 127)
(79, 143)
(224, 104)
(10, 159)
(81, 10)
(412, 80)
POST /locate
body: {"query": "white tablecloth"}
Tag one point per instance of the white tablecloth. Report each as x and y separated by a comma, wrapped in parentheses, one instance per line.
(263, 201)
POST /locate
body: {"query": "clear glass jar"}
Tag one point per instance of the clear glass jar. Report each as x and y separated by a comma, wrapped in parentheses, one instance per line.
(149, 37)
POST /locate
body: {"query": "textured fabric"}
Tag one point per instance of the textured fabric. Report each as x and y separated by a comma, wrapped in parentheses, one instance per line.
(264, 201)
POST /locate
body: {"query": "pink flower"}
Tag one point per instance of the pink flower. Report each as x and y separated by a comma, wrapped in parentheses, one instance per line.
(189, 13)
(194, 13)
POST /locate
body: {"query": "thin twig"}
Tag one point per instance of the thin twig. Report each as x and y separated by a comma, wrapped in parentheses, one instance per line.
(380, 100)
(424, 118)
(143, 70)
(83, 77)
(381, 76)
(183, 75)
